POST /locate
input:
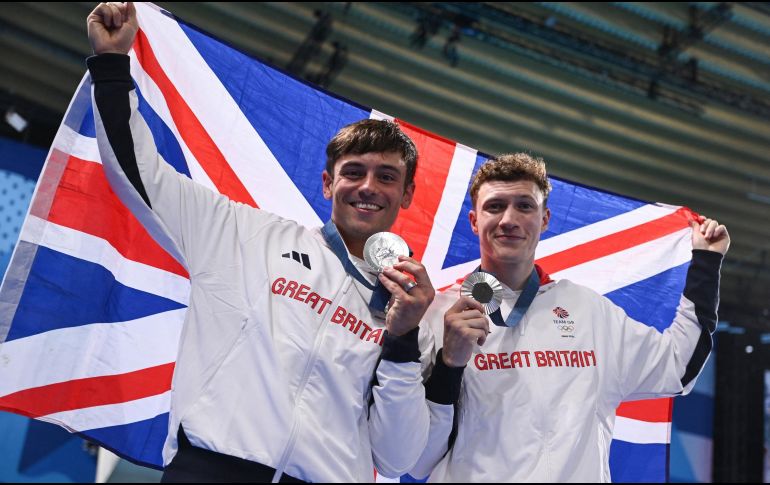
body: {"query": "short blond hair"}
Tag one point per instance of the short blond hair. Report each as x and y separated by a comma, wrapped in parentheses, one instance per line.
(511, 167)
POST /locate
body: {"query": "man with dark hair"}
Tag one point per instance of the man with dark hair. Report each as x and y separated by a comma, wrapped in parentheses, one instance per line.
(288, 367)
(533, 397)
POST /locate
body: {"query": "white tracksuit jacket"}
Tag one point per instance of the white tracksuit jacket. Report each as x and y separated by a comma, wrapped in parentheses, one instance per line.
(537, 402)
(279, 347)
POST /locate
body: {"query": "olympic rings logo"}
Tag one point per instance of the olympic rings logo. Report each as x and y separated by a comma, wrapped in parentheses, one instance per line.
(566, 328)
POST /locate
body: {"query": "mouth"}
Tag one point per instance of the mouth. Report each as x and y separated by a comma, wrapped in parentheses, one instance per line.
(509, 237)
(366, 206)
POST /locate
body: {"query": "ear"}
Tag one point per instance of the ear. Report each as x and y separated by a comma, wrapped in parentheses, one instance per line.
(472, 217)
(327, 184)
(546, 219)
(406, 200)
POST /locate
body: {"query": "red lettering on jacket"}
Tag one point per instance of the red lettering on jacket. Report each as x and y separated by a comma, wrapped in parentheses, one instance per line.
(291, 286)
(301, 293)
(376, 335)
(356, 326)
(304, 294)
(544, 358)
(313, 299)
(339, 314)
(367, 329)
(350, 322)
(325, 302)
(278, 285)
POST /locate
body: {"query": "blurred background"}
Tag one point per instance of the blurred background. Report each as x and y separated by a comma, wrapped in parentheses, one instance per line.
(666, 102)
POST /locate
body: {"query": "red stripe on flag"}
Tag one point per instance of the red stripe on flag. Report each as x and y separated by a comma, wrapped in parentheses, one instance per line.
(650, 410)
(85, 202)
(436, 154)
(89, 392)
(190, 129)
(617, 242)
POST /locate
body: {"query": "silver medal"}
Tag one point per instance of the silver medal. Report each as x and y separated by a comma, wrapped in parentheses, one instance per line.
(383, 249)
(485, 289)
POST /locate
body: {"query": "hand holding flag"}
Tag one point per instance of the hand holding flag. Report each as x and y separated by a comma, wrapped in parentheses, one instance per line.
(710, 235)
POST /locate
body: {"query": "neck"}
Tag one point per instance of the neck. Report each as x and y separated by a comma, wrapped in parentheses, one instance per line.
(513, 275)
(355, 245)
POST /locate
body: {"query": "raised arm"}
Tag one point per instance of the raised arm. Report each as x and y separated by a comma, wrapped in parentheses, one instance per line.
(187, 219)
(652, 364)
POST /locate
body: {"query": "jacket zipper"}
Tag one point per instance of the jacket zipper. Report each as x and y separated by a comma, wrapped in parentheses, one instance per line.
(279, 469)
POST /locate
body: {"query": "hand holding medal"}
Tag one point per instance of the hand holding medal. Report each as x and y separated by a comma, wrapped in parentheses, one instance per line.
(388, 254)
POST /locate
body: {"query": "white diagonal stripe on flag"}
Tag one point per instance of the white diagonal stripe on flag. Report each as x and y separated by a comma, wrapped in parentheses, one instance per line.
(641, 432)
(96, 250)
(97, 417)
(243, 148)
(452, 199)
(112, 350)
(617, 270)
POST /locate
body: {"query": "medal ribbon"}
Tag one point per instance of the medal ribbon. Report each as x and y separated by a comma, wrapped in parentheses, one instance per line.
(380, 296)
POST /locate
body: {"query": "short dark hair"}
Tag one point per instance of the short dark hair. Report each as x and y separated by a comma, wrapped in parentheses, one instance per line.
(378, 136)
(511, 167)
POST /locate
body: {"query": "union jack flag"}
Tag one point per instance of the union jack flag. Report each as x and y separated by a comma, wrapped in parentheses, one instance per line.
(91, 308)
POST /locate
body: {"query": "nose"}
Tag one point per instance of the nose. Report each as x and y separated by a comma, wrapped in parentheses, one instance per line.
(509, 219)
(368, 184)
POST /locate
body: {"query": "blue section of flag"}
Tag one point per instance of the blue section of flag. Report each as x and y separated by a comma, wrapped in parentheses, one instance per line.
(636, 463)
(273, 101)
(80, 116)
(464, 245)
(165, 141)
(664, 288)
(63, 292)
(88, 127)
(575, 206)
(410, 479)
(140, 442)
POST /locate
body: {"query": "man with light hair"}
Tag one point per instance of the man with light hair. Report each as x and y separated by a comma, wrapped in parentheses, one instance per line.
(533, 397)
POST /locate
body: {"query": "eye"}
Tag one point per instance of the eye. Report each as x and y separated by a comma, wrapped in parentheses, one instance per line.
(352, 173)
(387, 178)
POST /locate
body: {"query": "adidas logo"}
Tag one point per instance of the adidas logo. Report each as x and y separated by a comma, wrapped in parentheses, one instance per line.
(301, 258)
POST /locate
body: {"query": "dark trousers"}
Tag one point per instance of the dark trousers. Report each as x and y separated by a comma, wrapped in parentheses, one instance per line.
(196, 465)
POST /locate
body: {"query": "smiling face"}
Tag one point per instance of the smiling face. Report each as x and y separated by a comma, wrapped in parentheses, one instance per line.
(366, 191)
(509, 217)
